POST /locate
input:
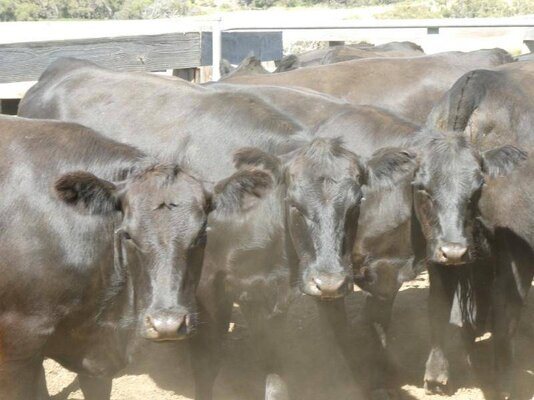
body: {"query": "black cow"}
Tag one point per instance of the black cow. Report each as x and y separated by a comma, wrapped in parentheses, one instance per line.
(101, 248)
(447, 189)
(430, 217)
(489, 108)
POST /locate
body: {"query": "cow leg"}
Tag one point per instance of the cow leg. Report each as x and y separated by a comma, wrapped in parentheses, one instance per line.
(334, 317)
(20, 379)
(441, 294)
(512, 282)
(95, 388)
(206, 346)
(267, 334)
(377, 316)
(506, 317)
(478, 278)
(42, 389)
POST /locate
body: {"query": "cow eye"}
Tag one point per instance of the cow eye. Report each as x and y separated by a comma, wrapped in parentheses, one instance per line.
(168, 206)
(295, 207)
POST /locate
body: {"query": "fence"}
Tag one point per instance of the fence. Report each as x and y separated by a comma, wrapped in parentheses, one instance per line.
(180, 45)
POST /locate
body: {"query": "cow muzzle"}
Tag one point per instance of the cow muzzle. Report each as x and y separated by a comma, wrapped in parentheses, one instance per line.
(451, 254)
(160, 326)
(327, 286)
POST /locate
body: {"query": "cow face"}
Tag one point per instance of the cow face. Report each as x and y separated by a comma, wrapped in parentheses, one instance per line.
(322, 192)
(159, 242)
(323, 202)
(383, 254)
(447, 188)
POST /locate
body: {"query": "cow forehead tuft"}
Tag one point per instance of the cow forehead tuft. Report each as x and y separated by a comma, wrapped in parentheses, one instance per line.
(451, 148)
(165, 181)
(324, 158)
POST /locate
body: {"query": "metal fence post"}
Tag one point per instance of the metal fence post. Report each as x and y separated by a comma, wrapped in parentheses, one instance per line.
(216, 48)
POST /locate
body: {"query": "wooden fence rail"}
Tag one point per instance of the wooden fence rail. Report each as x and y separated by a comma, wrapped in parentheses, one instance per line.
(197, 43)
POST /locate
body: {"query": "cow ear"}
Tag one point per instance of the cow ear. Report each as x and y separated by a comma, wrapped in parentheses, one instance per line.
(502, 160)
(390, 164)
(225, 67)
(87, 192)
(252, 157)
(242, 191)
(287, 63)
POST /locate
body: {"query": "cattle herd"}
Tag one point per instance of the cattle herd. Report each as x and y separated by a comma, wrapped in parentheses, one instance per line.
(141, 208)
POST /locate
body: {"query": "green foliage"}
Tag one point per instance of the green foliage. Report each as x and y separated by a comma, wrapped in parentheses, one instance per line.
(27, 10)
(522, 7)
(479, 8)
(132, 9)
(262, 4)
(411, 10)
(458, 9)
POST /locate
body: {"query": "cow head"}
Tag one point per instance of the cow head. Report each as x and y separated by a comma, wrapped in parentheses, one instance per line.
(383, 254)
(447, 188)
(322, 190)
(160, 240)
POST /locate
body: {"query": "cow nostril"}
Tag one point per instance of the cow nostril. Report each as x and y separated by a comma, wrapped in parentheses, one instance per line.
(151, 331)
(149, 323)
(317, 283)
(184, 325)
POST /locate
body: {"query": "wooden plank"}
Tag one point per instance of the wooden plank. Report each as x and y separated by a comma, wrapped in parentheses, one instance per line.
(266, 46)
(188, 74)
(46, 31)
(26, 61)
(9, 107)
(334, 43)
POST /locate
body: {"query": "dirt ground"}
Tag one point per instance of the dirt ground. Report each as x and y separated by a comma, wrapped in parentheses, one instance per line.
(316, 370)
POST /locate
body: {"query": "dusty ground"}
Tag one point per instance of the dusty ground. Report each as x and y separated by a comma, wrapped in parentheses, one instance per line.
(317, 371)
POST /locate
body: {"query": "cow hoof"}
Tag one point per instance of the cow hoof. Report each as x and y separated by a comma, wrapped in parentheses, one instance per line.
(437, 373)
(382, 394)
(440, 388)
(499, 395)
(505, 396)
